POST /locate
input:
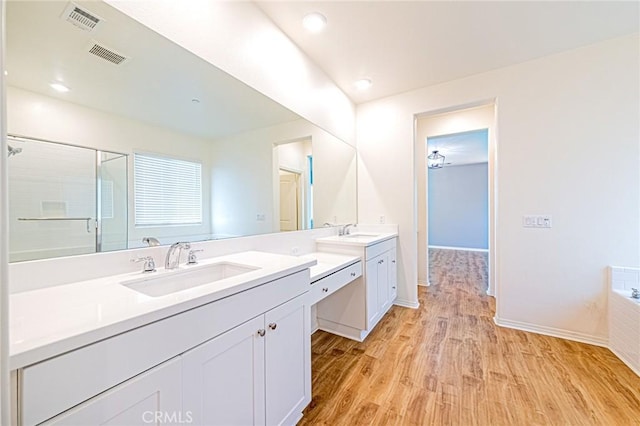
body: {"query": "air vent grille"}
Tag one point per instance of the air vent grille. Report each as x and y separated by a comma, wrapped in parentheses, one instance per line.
(81, 18)
(107, 54)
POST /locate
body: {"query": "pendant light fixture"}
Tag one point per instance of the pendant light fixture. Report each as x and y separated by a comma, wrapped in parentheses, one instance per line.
(435, 160)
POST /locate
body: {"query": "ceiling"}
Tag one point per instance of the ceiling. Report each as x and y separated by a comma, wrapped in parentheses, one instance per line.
(156, 85)
(461, 148)
(402, 46)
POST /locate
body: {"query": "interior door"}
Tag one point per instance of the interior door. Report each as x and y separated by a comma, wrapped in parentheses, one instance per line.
(288, 201)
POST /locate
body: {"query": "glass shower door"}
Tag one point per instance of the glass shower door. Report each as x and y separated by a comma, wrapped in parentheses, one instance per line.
(52, 200)
(65, 200)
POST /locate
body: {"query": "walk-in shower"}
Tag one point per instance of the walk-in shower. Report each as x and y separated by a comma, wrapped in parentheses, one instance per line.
(65, 199)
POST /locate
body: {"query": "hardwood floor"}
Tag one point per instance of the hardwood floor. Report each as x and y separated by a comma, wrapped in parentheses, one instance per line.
(447, 363)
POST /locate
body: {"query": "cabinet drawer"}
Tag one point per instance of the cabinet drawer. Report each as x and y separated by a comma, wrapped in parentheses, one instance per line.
(381, 247)
(330, 284)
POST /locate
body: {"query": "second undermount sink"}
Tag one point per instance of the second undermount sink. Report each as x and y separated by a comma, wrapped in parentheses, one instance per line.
(192, 276)
(361, 235)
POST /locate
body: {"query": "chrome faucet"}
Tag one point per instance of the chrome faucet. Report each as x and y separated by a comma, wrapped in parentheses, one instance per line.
(344, 230)
(149, 264)
(635, 294)
(172, 261)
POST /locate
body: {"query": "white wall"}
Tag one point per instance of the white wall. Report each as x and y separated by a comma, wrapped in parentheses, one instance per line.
(241, 40)
(446, 123)
(459, 206)
(246, 160)
(38, 116)
(555, 116)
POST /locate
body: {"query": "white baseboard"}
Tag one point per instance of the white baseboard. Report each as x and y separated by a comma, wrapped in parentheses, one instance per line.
(342, 330)
(553, 332)
(459, 248)
(424, 283)
(627, 361)
(407, 303)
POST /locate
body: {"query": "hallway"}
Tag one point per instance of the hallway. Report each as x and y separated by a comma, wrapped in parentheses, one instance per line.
(447, 363)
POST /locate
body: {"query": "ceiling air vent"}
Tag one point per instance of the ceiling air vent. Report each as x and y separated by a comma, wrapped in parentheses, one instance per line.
(80, 17)
(106, 54)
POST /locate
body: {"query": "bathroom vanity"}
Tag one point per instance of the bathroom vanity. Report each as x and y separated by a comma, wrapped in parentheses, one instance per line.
(354, 310)
(105, 352)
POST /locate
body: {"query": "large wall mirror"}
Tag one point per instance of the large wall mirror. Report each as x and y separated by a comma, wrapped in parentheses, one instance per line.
(117, 134)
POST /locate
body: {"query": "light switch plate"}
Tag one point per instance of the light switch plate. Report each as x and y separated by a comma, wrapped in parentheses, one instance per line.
(536, 221)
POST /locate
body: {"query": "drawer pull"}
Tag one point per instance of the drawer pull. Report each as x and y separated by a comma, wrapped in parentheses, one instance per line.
(393, 261)
(353, 274)
(394, 287)
(325, 289)
(273, 326)
(261, 332)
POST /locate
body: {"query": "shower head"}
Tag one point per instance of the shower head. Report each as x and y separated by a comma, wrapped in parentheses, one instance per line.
(13, 151)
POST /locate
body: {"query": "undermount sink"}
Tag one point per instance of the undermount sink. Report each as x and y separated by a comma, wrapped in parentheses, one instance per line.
(193, 276)
(361, 235)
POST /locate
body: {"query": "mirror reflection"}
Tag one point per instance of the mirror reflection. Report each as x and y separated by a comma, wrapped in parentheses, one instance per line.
(118, 134)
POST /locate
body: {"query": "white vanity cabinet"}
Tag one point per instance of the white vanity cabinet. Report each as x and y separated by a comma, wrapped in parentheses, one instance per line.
(381, 283)
(244, 359)
(254, 374)
(354, 310)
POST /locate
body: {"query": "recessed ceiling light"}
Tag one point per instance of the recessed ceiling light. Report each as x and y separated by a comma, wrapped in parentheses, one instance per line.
(59, 87)
(314, 22)
(363, 84)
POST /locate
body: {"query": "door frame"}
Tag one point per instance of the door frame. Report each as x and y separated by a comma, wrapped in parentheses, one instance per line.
(420, 151)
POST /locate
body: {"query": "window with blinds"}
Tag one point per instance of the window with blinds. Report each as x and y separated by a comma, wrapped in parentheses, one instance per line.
(167, 191)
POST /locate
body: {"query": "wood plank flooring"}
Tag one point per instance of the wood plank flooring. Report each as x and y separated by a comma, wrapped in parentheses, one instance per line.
(447, 363)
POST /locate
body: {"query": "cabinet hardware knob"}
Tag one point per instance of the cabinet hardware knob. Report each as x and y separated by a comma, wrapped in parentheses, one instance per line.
(353, 274)
(393, 261)
(394, 287)
(273, 326)
(261, 332)
(325, 289)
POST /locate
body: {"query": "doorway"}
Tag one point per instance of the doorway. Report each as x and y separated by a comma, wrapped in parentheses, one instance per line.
(456, 211)
(293, 185)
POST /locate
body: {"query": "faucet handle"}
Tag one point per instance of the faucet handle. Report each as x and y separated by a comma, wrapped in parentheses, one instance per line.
(149, 263)
(191, 258)
(635, 293)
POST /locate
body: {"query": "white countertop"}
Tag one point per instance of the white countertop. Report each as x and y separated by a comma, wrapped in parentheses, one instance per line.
(357, 238)
(50, 321)
(328, 263)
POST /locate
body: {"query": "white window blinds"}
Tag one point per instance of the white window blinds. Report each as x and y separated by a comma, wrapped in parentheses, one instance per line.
(167, 191)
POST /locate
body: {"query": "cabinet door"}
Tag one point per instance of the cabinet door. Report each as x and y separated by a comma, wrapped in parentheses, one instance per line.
(223, 379)
(287, 361)
(393, 276)
(153, 398)
(383, 282)
(373, 306)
